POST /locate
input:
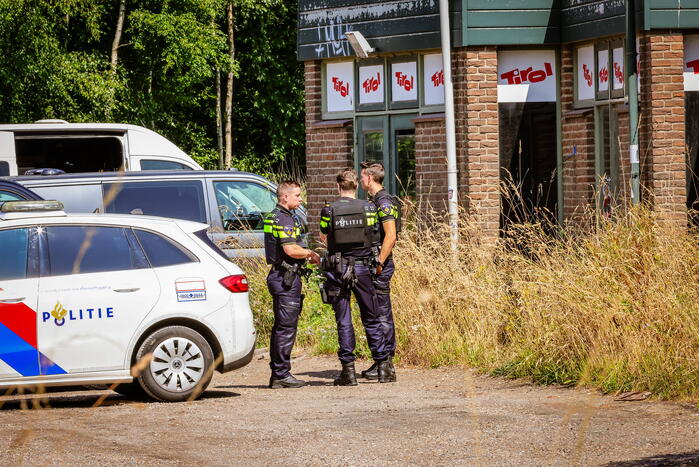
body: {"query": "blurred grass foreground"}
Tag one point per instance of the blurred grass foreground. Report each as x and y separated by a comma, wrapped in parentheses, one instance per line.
(613, 305)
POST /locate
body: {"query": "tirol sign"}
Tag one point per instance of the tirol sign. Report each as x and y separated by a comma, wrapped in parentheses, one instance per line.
(586, 77)
(603, 70)
(404, 81)
(691, 63)
(371, 84)
(339, 82)
(618, 68)
(527, 76)
(433, 79)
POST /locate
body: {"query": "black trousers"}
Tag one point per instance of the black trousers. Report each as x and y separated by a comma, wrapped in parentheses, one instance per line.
(288, 302)
(365, 294)
(382, 283)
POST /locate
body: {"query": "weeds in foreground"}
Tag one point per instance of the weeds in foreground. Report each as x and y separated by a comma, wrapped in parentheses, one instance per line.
(613, 306)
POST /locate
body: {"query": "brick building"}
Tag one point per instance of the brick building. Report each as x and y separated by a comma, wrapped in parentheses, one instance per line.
(540, 100)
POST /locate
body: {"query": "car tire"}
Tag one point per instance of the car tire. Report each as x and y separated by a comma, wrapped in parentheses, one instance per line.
(179, 364)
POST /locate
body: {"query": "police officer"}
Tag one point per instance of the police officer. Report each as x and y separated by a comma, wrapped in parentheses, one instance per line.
(372, 176)
(349, 227)
(284, 252)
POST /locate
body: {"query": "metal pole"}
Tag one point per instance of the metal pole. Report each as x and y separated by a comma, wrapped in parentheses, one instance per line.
(452, 179)
(632, 86)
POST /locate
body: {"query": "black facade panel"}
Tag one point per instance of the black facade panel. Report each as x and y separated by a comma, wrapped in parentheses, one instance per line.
(393, 26)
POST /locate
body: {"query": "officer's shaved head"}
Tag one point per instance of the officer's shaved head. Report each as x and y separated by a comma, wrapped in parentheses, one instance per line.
(373, 169)
(347, 180)
(286, 186)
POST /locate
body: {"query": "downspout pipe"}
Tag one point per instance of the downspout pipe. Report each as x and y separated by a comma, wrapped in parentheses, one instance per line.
(632, 86)
(452, 171)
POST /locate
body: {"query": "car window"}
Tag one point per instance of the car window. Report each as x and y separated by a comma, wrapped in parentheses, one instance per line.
(154, 164)
(162, 251)
(182, 199)
(242, 205)
(9, 196)
(87, 249)
(14, 246)
(75, 198)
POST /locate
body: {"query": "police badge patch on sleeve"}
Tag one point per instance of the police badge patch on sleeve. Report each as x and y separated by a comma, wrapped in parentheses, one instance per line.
(289, 230)
(386, 209)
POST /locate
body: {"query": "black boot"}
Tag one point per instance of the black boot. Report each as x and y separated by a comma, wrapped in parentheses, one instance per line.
(385, 372)
(371, 373)
(347, 377)
(393, 377)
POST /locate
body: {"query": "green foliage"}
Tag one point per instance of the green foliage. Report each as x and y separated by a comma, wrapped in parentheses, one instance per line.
(56, 64)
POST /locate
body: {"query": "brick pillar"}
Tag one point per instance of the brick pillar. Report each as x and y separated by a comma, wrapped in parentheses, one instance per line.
(329, 147)
(662, 147)
(477, 135)
(430, 163)
(578, 138)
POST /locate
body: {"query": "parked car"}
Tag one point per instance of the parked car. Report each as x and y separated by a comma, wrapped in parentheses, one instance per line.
(233, 203)
(83, 298)
(13, 191)
(87, 147)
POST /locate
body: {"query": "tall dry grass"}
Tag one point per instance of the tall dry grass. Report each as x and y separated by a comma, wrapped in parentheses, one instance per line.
(613, 306)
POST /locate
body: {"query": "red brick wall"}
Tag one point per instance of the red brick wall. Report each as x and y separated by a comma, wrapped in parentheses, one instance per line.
(430, 163)
(477, 142)
(329, 148)
(662, 149)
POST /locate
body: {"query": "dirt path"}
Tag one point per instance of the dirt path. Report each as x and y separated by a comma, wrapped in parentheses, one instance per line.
(430, 417)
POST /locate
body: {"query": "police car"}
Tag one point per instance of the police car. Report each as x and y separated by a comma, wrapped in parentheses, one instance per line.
(91, 299)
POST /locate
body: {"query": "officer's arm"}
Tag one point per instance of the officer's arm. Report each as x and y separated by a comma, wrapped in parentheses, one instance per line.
(298, 252)
(389, 241)
(323, 238)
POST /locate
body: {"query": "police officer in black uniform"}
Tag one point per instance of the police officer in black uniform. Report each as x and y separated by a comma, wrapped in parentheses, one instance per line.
(349, 226)
(388, 212)
(284, 252)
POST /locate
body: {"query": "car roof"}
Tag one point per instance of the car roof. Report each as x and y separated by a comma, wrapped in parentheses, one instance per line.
(140, 174)
(131, 220)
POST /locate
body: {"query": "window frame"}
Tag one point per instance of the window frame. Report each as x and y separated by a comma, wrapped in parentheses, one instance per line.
(584, 103)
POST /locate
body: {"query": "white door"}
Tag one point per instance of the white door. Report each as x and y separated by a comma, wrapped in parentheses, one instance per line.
(19, 356)
(93, 294)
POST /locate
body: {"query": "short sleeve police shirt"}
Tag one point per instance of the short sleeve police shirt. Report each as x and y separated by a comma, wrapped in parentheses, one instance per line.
(386, 209)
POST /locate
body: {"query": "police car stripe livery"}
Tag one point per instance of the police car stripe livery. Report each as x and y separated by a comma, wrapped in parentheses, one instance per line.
(18, 342)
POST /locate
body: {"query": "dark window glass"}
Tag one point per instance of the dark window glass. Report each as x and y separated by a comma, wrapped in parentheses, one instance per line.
(150, 164)
(182, 199)
(405, 158)
(13, 251)
(527, 162)
(691, 106)
(77, 249)
(161, 251)
(70, 154)
(242, 205)
(204, 237)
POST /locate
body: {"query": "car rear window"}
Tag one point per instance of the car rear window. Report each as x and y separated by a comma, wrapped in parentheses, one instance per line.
(89, 249)
(14, 246)
(204, 237)
(162, 251)
(181, 199)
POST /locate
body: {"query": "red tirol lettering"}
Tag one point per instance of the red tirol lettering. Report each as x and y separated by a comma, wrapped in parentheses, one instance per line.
(694, 65)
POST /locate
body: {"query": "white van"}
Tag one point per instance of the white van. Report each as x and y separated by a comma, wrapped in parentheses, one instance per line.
(87, 147)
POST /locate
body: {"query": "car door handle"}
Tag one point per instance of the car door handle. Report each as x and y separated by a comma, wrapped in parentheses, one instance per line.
(12, 300)
(135, 289)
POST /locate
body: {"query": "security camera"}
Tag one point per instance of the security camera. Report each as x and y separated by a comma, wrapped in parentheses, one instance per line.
(359, 44)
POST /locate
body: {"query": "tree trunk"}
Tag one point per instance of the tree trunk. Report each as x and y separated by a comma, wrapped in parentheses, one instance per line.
(117, 34)
(219, 129)
(229, 91)
(115, 53)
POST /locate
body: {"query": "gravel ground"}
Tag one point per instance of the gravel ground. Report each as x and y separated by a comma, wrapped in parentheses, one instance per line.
(429, 417)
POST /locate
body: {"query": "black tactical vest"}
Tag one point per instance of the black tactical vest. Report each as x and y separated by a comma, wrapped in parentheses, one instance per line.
(353, 227)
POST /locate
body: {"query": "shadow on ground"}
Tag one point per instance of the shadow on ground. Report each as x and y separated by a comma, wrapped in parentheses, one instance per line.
(54, 400)
(685, 459)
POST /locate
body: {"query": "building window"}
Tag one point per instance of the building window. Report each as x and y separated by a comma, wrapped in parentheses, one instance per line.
(691, 108)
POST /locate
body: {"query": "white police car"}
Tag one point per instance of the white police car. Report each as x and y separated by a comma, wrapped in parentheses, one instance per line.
(100, 299)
